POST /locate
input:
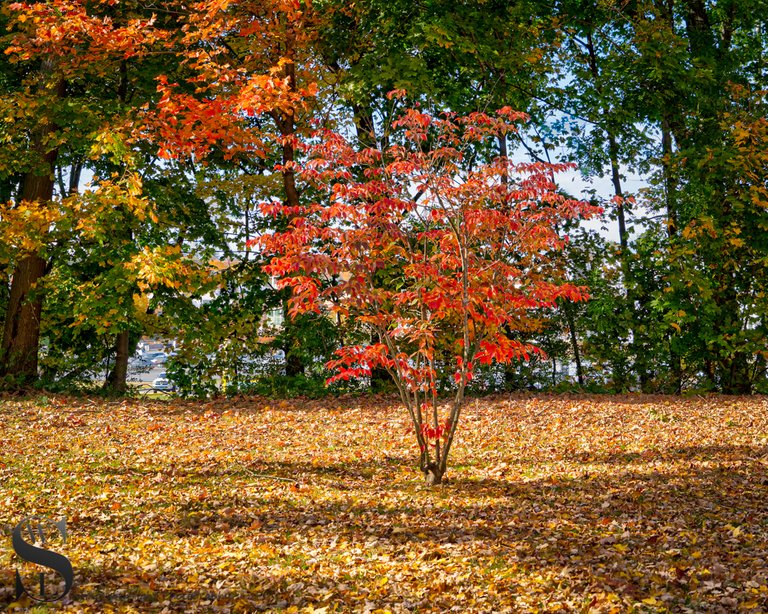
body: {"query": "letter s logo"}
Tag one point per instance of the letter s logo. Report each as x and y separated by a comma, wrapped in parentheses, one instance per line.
(38, 529)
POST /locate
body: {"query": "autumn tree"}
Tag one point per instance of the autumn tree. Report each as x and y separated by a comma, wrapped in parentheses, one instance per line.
(247, 97)
(200, 81)
(66, 52)
(702, 94)
(469, 255)
(648, 87)
(716, 300)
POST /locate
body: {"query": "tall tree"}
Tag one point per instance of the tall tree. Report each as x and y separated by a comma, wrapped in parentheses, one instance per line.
(645, 86)
(21, 331)
(63, 46)
(253, 75)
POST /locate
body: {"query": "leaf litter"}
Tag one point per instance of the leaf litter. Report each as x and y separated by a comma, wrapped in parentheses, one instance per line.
(552, 504)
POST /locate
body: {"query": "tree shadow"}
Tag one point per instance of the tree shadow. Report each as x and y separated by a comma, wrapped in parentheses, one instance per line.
(643, 526)
(624, 532)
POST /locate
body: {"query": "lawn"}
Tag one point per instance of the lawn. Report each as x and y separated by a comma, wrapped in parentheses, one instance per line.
(552, 503)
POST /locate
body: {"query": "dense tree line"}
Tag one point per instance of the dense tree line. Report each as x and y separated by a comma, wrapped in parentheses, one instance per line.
(139, 140)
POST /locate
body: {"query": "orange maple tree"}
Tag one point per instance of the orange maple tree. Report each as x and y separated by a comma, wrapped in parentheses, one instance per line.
(245, 62)
(439, 258)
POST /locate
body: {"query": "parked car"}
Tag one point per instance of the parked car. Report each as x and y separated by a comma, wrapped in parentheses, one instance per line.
(161, 382)
(148, 356)
(159, 359)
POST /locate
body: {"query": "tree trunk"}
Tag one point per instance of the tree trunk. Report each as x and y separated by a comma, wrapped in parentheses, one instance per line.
(365, 127)
(554, 371)
(736, 378)
(433, 474)
(117, 381)
(670, 185)
(294, 366)
(676, 369)
(709, 371)
(567, 308)
(76, 170)
(21, 332)
(611, 130)
(286, 123)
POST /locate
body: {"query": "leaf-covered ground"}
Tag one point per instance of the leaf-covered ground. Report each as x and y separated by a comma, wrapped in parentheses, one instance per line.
(583, 504)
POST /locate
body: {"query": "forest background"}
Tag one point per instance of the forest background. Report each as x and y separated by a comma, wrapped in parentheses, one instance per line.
(139, 140)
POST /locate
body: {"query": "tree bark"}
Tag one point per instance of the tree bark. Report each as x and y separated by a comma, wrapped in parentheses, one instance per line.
(567, 308)
(736, 377)
(433, 474)
(670, 185)
(365, 127)
(625, 257)
(21, 331)
(286, 123)
(117, 381)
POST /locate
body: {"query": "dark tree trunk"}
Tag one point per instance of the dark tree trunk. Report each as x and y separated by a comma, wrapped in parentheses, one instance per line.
(365, 127)
(21, 331)
(117, 380)
(293, 365)
(568, 309)
(736, 377)
(286, 124)
(709, 370)
(76, 170)
(676, 369)
(611, 130)
(433, 474)
(670, 187)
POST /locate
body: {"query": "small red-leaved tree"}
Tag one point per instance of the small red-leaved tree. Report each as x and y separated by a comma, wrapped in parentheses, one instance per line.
(436, 256)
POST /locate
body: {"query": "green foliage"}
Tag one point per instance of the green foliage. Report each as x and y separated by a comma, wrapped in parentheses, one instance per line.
(670, 91)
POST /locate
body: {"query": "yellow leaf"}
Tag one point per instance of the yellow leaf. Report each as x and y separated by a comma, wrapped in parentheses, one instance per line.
(749, 605)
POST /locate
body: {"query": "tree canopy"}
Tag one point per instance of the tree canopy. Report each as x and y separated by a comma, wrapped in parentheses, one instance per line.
(140, 141)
